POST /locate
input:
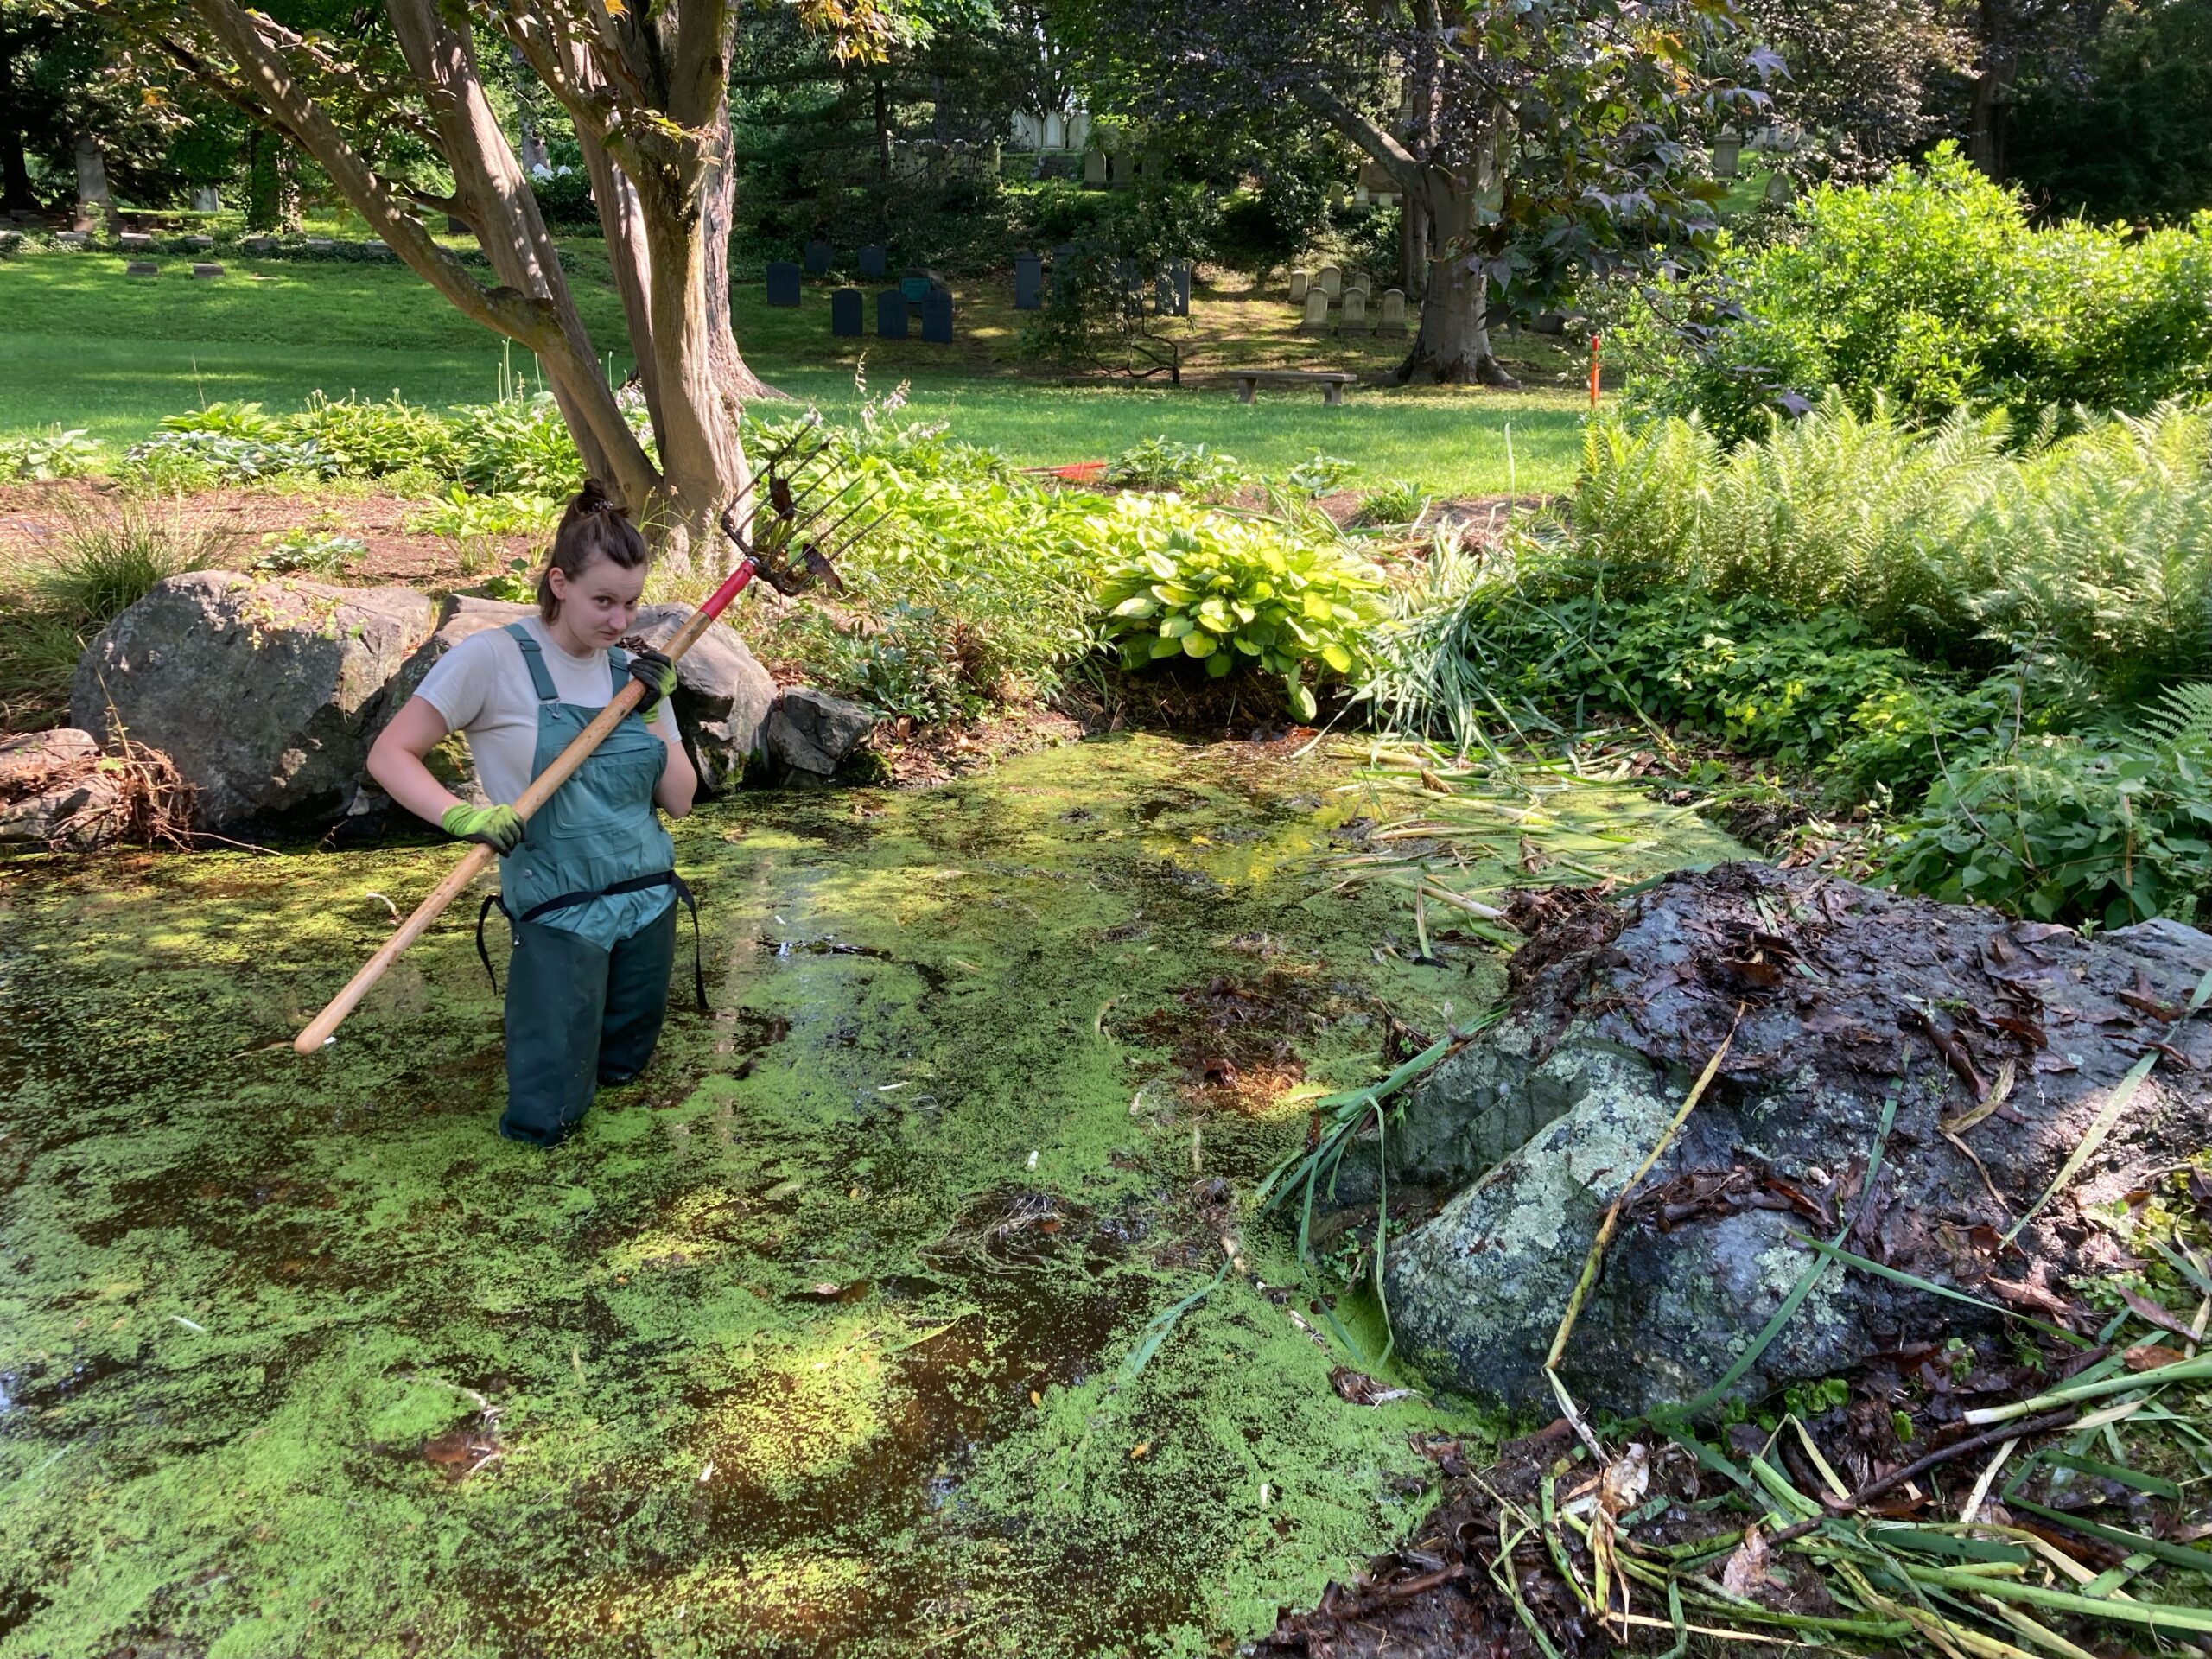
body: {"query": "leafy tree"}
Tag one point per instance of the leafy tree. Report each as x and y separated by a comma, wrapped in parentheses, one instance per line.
(1872, 82)
(2132, 137)
(1535, 139)
(91, 114)
(401, 108)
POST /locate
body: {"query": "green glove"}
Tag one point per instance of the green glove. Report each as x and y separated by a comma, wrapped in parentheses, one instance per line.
(499, 828)
(658, 675)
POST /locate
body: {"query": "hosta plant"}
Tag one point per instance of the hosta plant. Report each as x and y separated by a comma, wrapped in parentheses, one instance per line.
(1183, 581)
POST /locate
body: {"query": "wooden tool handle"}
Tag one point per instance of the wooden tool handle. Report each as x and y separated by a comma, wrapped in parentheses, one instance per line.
(320, 1029)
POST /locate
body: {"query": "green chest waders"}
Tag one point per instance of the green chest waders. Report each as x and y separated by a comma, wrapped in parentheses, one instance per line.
(591, 895)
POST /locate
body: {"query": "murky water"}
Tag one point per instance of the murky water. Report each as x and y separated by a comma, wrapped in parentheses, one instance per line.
(815, 1341)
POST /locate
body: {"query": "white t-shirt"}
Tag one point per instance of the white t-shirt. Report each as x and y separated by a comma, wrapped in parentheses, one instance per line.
(483, 687)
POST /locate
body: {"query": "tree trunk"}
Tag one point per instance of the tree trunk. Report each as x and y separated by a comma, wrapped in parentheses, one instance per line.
(1413, 248)
(14, 168)
(1992, 106)
(95, 206)
(882, 132)
(1453, 344)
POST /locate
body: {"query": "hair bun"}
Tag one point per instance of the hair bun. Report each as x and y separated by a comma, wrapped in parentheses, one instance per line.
(594, 498)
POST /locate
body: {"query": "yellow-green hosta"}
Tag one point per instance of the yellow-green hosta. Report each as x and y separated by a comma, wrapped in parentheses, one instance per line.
(1181, 581)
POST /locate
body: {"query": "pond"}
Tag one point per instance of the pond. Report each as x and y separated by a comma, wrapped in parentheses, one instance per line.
(833, 1334)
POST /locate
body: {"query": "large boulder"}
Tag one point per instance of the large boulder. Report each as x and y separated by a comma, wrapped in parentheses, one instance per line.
(1847, 996)
(53, 793)
(811, 733)
(722, 697)
(262, 691)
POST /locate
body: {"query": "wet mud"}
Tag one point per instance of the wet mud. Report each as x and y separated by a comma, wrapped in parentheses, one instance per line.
(817, 1339)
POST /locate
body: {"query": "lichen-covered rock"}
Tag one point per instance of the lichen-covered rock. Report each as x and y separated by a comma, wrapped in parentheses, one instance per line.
(811, 733)
(262, 691)
(722, 697)
(1847, 996)
(53, 794)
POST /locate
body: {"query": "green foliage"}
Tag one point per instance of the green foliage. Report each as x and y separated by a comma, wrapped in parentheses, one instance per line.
(460, 515)
(1930, 288)
(243, 421)
(2070, 829)
(376, 440)
(106, 563)
(1180, 582)
(518, 445)
(51, 455)
(308, 552)
(1394, 501)
(1945, 542)
(203, 459)
(1166, 464)
(1319, 474)
(2132, 137)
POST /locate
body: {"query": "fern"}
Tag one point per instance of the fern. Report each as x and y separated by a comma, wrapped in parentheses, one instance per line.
(2182, 719)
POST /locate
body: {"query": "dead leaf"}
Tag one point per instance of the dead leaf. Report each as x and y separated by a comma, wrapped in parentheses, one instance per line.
(2151, 1357)
(1624, 1481)
(1747, 1568)
(2000, 1089)
(2156, 1314)
(1143, 1448)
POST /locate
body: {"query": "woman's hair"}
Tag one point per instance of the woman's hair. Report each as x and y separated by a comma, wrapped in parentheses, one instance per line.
(595, 527)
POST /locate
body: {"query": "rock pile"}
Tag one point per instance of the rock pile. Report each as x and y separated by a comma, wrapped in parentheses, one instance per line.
(1999, 1041)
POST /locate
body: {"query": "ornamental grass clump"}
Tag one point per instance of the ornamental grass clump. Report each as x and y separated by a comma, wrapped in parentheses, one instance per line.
(1227, 591)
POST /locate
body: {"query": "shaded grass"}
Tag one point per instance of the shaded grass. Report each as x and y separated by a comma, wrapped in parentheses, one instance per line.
(88, 347)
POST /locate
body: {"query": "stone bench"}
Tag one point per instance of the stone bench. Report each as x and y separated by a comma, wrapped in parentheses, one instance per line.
(1332, 382)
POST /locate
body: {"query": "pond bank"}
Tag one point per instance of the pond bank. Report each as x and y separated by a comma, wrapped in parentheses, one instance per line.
(819, 1339)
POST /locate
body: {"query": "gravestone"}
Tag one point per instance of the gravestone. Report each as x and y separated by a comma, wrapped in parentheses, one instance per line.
(1028, 282)
(1182, 287)
(818, 254)
(1125, 274)
(206, 270)
(318, 244)
(1361, 285)
(1094, 169)
(258, 247)
(1171, 290)
(783, 283)
(872, 265)
(891, 314)
(141, 268)
(1299, 282)
(1727, 153)
(916, 286)
(937, 316)
(134, 241)
(202, 242)
(371, 250)
(1394, 311)
(1315, 320)
(845, 313)
(1331, 280)
(1779, 187)
(70, 238)
(1353, 318)
(456, 226)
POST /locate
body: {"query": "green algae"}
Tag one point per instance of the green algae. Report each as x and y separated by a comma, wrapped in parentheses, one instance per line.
(811, 1342)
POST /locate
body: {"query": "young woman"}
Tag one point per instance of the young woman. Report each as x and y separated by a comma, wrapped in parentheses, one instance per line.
(589, 883)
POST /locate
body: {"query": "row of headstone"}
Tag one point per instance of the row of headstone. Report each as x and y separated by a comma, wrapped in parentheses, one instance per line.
(1329, 279)
(1352, 318)
(817, 259)
(892, 307)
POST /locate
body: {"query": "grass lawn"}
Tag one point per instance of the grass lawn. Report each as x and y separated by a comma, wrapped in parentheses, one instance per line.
(86, 347)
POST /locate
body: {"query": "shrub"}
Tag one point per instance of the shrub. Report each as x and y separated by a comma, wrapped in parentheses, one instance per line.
(1930, 287)
(51, 455)
(517, 445)
(1319, 474)
(376, 440)
(228, 420)
(1169, 464)
(1181, 582)
(1394, 501)
(460, 515)
(2074, 829)
(202, 460)
(309, 551)
(106, 563)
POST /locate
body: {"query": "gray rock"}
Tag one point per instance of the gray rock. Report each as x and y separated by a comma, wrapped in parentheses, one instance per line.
(1615, 1009)
(811, 733)
(722, 697)
(51, 794)
(262, 692)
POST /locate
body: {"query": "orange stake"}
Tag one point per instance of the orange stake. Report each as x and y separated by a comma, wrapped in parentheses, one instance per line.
(1594, 339)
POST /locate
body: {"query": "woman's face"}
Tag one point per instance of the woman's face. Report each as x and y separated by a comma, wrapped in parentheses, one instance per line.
(598, 603)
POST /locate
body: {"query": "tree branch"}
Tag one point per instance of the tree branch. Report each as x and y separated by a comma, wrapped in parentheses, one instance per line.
(1367, 134)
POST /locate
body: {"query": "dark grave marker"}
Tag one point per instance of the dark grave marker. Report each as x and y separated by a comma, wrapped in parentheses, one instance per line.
(1028, 282)
(916, 287)
(818, 254)
(783, 283)
(141, 268)
(1182, 287)
(891, 314)
(937, 316)
(845, 313)
(872, 261)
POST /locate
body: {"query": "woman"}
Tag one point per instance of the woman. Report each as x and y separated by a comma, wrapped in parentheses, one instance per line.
(587, 883)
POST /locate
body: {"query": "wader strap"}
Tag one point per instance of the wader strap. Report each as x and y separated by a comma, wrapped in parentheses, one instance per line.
(635, 884)
(534, 659)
